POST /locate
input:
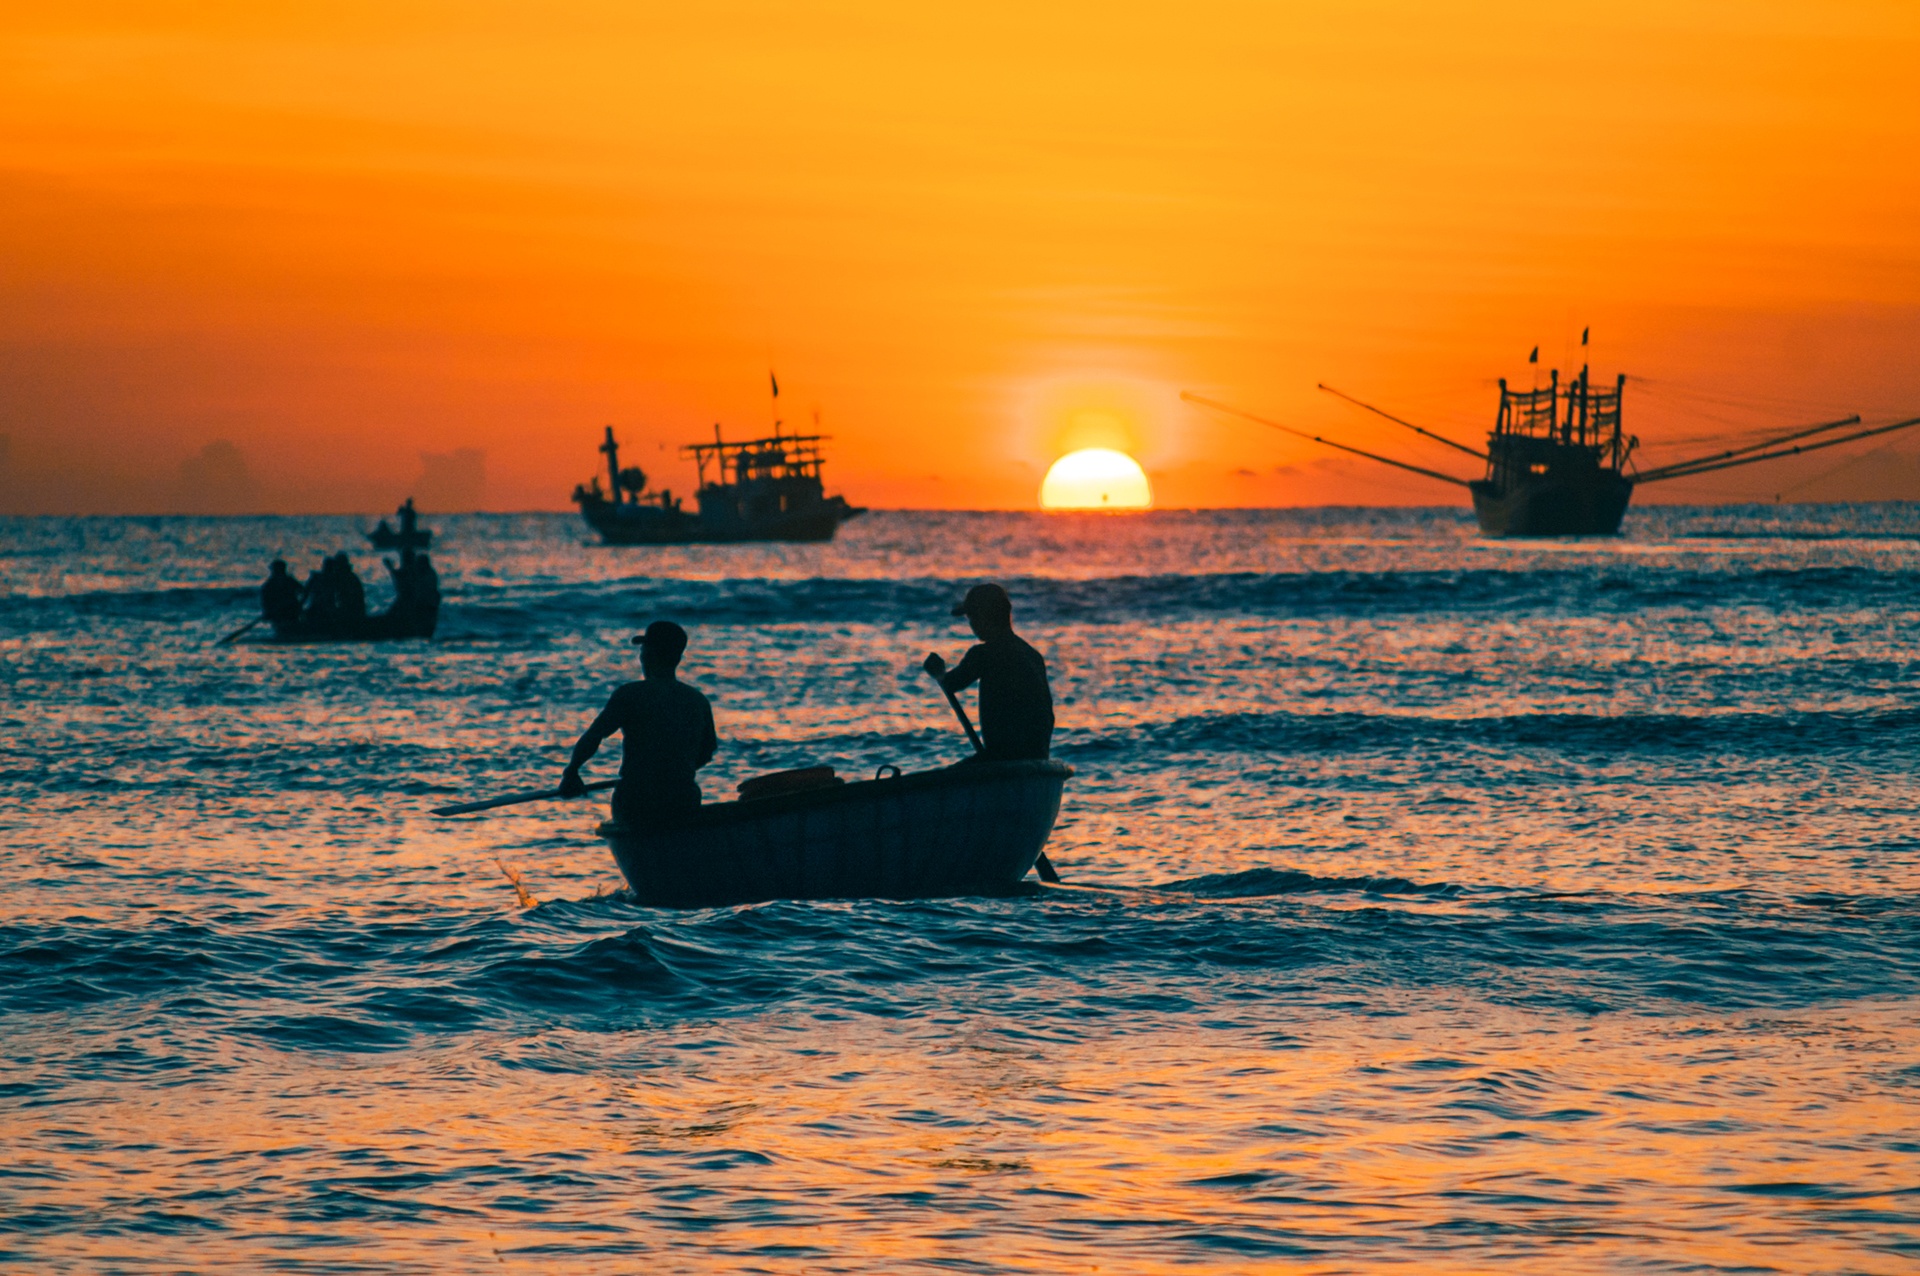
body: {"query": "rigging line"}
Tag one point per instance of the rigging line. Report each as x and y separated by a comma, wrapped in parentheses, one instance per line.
(1792, 451)
(1458, 447)
(1735, 423)
(1661, 471)
(1761, 402)
(1845, 465)
(1191, 397)
(1736, 435)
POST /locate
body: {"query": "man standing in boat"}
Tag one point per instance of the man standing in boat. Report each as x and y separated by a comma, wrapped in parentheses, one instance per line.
(666, 730)
(1016, 704)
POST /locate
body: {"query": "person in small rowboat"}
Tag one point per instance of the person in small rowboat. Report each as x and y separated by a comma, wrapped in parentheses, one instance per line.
(316, 597)
(416, 585)
(1016, 703)
(280, 597)
(350, 595)
(666, 730)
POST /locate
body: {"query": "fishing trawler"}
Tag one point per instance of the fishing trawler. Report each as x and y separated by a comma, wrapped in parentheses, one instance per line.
(766, 489)
(1558, 463)
(1552, 472)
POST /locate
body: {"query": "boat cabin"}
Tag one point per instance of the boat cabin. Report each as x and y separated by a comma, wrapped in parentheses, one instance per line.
(758, 479)
(1556, 433)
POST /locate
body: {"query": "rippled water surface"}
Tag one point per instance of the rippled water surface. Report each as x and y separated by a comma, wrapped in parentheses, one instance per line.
(1431, 902)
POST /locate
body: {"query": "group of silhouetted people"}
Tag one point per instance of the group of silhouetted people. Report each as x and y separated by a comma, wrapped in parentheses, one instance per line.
(416, 585)
(333, 602)
(667, 731)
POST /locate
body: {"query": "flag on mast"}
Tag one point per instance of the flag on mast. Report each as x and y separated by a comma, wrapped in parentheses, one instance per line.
(1583, 335)
(776, 384)
(1535, 356)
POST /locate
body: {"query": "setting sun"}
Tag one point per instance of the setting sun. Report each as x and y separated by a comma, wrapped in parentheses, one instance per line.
(1096, 478)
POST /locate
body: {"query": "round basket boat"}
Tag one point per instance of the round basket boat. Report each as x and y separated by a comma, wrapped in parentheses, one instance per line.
(971, 829)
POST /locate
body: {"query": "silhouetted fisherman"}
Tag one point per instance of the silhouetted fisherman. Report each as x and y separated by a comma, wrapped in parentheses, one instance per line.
(416, 585)
(350, 596)
(667, 735)
(317, 595)
(1016, 704)
(280, 597)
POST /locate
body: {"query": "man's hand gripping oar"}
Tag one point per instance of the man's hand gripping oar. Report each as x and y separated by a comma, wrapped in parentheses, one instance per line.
(936, 668)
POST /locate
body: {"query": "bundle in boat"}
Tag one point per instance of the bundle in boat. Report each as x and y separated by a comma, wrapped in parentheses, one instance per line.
(974, 828)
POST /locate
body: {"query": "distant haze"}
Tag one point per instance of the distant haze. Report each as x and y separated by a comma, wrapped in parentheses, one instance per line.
(322, 257)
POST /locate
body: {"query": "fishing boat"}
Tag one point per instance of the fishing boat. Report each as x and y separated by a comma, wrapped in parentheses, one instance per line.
(1557, 461)
(974, 828)
(409, 536)
(766, 489)
(396, 622)
(411, 614)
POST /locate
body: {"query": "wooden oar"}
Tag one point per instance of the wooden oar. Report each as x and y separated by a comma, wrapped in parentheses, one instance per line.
(1041, 864)
(514, 799)
(236, 633)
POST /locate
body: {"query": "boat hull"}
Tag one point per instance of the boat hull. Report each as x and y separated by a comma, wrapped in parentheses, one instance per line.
(1590, 506)
(386, 538)
(971, 829)
(633, 524)
(385, 626)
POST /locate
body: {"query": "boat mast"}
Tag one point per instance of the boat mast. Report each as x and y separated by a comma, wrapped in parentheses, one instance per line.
(612, 449)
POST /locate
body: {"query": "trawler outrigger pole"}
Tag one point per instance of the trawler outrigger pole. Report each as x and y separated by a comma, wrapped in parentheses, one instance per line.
(1217, 406)
(1438, 438)
(1720, 461)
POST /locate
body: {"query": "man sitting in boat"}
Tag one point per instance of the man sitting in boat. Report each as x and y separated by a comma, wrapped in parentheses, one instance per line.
(416, 585)
(350, 596)
(1016, 704)
(317, 609)
(666, 730)
(280, 597)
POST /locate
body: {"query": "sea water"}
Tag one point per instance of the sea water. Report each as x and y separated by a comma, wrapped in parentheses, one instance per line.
(1432, 901)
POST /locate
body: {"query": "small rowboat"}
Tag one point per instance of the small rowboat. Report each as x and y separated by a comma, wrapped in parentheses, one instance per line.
(394, 623)
(975, 828)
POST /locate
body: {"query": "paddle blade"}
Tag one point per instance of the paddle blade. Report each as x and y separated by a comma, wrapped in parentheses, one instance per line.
(243, 629)
(1044, 867)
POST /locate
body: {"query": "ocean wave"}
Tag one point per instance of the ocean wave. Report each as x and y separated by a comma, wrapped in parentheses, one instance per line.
(494, 611)
(1255, 883)
(1114, 599)
(1778, 732)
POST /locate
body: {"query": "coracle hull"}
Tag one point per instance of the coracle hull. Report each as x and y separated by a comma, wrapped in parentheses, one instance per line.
(1591, 506)
(971, 829)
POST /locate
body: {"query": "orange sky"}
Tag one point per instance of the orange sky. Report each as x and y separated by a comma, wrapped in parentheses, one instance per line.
(338, 237)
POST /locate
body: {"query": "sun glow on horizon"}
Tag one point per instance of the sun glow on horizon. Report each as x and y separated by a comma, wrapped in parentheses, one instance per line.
(1096, 478)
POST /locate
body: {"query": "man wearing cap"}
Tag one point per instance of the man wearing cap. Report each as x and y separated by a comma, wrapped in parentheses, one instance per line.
(666, 730)
(1016, 704)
